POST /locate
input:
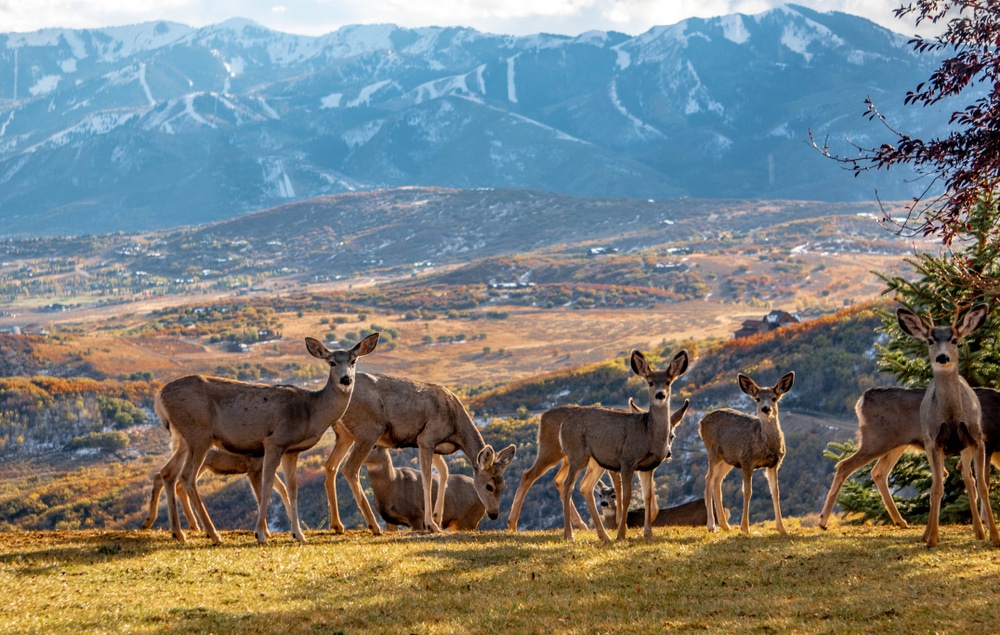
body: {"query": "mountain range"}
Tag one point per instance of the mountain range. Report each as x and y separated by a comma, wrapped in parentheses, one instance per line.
(159, 124)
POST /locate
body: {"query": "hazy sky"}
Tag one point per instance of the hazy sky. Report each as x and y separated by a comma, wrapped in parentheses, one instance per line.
(316, 17)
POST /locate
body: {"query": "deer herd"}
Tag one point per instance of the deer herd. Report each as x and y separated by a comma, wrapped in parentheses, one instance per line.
(235, 427)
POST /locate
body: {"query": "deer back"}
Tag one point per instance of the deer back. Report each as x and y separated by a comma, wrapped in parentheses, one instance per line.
(740, 439)
(889, 417)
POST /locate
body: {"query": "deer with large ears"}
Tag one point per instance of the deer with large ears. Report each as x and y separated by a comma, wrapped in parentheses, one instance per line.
(621, 441)
(950, 413)
(736, 439)
(276, 422)
(395, 412)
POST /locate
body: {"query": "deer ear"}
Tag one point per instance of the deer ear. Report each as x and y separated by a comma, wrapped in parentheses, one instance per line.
(911, 324)
(504, 457)
(971, 320)
(316, 348)
(677, 415)
(634, 407)
(639, 364)
(784, 384)
(747, 385)
(679, 364)
(485, 457)
(365, 346)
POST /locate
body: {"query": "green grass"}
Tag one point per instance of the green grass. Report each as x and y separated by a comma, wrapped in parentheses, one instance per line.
(847, 580)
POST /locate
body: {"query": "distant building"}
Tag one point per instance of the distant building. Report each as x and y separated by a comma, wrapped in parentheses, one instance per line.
(773, 320)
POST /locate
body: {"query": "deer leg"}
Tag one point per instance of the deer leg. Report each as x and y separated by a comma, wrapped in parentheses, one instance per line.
(189, 477)
(936, 458)
(426, 463)
(559, 479)
(352, 471)
(747, 492)
(587, 485)
(170, 472)
(331, 467)
(289, 462)
(573, 472)
(616, 482)
(542, 464)
(255, 478)
(880, 474)
(845, 467)
(442, 468)
(626, 473)
(192, 518)
(154, 501)
(982, 469)
(771, 474)
(719, 472)
(272, 458)
(649, 499)
(970, 481)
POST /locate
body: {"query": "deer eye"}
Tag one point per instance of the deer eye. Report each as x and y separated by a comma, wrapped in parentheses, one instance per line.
(650, 383)
(757, 399)
(954, 341)
(930, 340)
(489, 487)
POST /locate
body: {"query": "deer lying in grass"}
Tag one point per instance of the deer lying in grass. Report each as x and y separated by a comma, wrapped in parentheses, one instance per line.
(621, 441)
(276, 422)
(950, 414)
(736, 439)
(550, 453)
(691, 514)
(223, 464)
(399, 496)
(401, 413)
(888, 425)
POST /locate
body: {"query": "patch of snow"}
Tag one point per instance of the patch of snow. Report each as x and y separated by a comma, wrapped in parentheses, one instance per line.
(68, 65)
(640, 126)
(624, 60)
(3, 128)
(145, 86)
(362, 134)
(733, 28)
(511, 86)
(479, 79)
(331, 101)
(45, 85)
(270, 112)
(364, 97)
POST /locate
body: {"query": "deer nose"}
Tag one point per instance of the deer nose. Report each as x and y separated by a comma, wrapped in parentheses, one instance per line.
(493, 515)
(942, 359)
(765, 409)
(660, 395)
(345, 380)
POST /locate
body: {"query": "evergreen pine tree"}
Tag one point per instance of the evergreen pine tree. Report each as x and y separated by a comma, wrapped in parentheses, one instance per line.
(945, 284)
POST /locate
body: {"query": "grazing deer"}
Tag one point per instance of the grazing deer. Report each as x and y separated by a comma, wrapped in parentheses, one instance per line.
(550, 453)
(399, 495)
(223, 464)
(620, 441)
(395, 412)
(275, 422)
(736, 439)
(691, 514)
(950, 414)
(888, 425)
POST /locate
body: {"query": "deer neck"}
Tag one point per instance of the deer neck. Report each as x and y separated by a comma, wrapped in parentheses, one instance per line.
(947, 390)
(770, 430)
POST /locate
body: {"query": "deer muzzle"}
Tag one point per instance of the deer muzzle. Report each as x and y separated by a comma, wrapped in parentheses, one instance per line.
(942, 359)
(345, 380)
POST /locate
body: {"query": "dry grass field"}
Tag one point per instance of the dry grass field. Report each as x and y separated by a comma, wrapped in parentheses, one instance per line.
(846, 580)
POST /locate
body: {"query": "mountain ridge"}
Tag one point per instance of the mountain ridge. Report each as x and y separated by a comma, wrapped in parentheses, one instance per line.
(161, 124)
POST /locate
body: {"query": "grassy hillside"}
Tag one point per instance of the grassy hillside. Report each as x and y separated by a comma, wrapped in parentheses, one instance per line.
(846, 580)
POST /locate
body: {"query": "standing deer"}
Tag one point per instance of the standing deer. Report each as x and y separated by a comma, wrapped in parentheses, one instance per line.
(888, 425)
(950, 414)
(223, 464)
(550, 453)
(736, 439)
(395, 412)
(621, 441)
(276, 422)
(399, 495)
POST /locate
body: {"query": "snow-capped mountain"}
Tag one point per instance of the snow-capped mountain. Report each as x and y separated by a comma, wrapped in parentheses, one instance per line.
(161, 124)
